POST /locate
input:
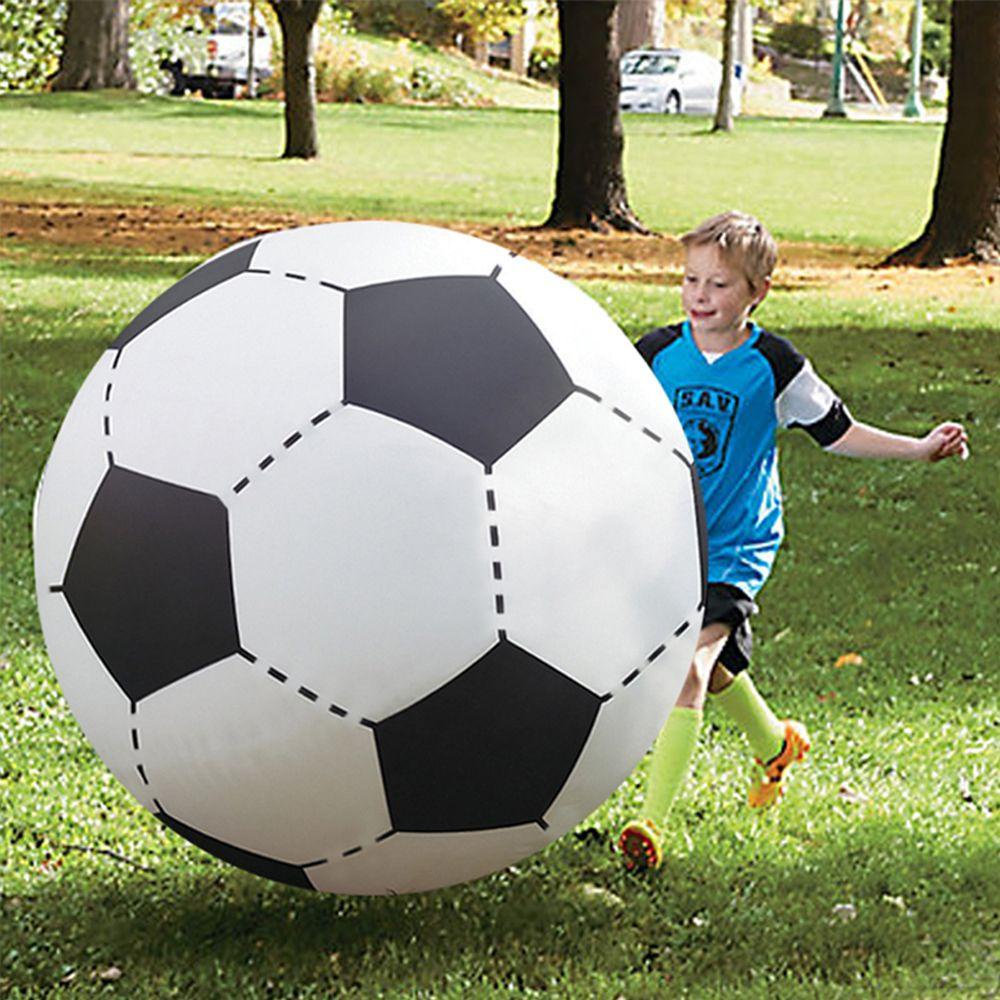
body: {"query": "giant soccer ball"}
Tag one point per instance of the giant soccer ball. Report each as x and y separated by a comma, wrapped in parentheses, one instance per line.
(369, 557)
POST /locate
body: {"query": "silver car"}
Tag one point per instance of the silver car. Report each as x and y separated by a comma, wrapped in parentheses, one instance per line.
(673, 82)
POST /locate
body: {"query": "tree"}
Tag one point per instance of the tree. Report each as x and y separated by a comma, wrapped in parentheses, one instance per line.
(640, 24)
(590, 181)
(724, 108)
(297, 19)
(965, 215)
(95, 48)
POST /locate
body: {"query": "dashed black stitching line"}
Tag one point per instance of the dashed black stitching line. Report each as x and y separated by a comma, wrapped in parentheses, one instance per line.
(111, 460)
(56, 588)
(107, 393)
(142, 773)
(495, 272)
(336, 288)
(257, 270)
(135, 739)
(107, 425)
(313, 864)
(248, 656)
(690, 465)
(499, 604)
(337, 710)
(502, 634)
(651, 434)
(542, 824)
(308, 695)
(385, 836)
(277, 675)
(655, 654)
(118, 357)
(287, 443)
(295, 277)
(353, 850)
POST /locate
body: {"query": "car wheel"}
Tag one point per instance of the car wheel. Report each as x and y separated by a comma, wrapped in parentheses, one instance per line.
(672, 105)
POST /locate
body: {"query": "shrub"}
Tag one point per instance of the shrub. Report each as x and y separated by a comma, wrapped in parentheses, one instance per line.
(802, 40)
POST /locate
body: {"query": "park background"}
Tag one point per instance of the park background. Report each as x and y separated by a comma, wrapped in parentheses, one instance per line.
(878, 875)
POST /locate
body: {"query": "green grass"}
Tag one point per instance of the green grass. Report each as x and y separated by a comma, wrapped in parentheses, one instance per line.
(896, 562)
(855, 183)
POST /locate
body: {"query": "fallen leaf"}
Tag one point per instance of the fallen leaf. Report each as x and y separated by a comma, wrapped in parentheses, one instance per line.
(849, 660)
(850, 795)
(845, 911)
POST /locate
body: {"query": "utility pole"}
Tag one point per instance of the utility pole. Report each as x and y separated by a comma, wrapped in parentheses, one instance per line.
(835, 108)
(251, 35)
(914, 107)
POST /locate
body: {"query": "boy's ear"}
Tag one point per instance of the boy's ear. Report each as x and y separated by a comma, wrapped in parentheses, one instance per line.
(761, 293)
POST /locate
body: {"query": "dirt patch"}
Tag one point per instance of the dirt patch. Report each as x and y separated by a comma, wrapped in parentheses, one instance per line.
(577, 254)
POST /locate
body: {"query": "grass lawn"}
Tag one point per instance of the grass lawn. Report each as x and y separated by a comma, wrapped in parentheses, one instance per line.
(864, 184)
(878, 876)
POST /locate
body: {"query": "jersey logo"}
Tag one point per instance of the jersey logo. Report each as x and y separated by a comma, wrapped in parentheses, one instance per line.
(707, 415)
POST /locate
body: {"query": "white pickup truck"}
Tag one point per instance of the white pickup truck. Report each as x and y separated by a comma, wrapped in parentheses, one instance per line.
(217, 60)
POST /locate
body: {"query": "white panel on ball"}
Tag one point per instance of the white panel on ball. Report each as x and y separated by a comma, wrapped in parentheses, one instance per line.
(99, 705)
(203, 395)
(372, 586)
(75, 468)
(355, 254)
(416, 862)
(246, 757)
(597, 526)
(590, 345)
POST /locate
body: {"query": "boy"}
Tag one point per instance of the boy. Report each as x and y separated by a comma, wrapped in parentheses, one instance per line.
(732, 385)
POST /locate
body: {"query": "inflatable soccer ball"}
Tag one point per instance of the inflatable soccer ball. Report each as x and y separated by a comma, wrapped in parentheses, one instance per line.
(369, 557)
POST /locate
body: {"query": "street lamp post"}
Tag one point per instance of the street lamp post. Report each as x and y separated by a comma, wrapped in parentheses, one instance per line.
(835, 108)
(914, 108)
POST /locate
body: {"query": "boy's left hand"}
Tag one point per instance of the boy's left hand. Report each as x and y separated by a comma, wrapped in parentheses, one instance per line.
(945, 441)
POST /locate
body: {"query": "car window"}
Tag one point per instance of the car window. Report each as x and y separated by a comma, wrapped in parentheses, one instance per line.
(650, 62)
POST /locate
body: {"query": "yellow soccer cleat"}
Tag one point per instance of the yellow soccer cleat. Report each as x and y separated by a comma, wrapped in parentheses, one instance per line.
(768, 787)
(641, 844)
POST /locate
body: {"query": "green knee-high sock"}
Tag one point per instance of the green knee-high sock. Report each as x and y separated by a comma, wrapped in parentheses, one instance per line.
(671, 761)
(742, 702)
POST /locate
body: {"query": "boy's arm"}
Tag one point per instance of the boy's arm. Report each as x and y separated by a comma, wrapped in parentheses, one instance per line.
(863, 441)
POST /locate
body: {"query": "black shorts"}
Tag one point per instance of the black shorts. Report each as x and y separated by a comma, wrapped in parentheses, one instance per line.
(729, 605)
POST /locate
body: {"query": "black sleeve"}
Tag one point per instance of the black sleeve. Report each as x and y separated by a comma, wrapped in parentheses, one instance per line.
(653, 342)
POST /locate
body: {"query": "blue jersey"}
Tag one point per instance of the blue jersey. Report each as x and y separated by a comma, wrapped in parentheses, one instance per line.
(730, 409)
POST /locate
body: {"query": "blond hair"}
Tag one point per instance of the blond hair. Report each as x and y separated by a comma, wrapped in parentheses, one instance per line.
(742, 240)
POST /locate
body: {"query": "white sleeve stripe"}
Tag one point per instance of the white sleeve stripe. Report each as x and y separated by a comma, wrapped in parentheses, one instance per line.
(805, 400)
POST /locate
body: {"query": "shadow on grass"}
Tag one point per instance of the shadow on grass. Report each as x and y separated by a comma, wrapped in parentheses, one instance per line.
(702, 920)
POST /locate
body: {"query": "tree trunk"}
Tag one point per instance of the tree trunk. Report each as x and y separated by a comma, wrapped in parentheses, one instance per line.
(640, 24)
(95, 47)
(297, 19)
(965, 215)
(724, 109)
(590, 181)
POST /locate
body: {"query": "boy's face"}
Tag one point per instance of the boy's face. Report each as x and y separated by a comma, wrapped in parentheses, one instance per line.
(715, 295)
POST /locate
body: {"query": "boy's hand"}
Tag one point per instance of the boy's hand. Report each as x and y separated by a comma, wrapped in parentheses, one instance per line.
(945, 441)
